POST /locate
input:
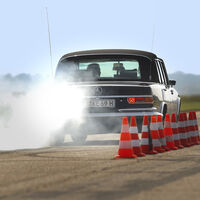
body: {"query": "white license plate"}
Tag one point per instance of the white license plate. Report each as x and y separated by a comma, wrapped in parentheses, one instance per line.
(102, 103)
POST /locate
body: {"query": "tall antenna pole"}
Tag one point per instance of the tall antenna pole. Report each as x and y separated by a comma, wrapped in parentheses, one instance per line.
(50, 50)
(153, 37)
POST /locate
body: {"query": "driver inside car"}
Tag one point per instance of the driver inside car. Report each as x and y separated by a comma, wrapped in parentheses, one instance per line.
(95, 69)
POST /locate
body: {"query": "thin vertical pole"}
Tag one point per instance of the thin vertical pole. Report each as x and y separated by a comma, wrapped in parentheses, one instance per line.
(50, 49)
(153, 38)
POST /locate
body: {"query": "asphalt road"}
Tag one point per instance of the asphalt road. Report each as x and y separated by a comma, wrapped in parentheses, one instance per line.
(90, 172)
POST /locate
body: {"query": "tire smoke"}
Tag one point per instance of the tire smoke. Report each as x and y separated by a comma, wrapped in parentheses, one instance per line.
(30, 119)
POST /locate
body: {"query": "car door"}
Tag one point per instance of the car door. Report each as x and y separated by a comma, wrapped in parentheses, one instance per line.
(174, 94)
(165, 90)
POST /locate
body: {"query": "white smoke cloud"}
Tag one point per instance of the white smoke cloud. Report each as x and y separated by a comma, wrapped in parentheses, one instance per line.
(28, 119)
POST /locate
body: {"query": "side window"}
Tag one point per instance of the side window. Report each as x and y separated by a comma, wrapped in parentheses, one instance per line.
(162, 80)
(159, 72)
(164, 72)
(150, 73)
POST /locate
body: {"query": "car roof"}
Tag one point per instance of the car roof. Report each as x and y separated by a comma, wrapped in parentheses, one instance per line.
(149, 55)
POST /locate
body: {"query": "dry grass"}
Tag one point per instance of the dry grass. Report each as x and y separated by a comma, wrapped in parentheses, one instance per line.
(189, 103)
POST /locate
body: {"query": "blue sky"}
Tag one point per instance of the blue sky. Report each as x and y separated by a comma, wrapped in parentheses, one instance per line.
(91, 24)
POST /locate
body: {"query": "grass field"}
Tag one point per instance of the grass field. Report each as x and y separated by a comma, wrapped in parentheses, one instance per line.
(190, 103)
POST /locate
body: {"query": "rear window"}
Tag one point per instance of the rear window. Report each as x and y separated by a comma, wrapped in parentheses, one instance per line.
(105, 67)
(113, 69)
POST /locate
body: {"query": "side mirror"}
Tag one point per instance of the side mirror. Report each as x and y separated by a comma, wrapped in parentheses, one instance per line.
(172, 82)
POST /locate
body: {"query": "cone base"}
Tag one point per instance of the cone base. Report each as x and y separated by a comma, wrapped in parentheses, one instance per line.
(138, 151)
(145, 149)
(174, 148)
(166, 148)
(152, 152)
(145, 152)
(197, 143)
(140, 154)
(180, 146)
(189, 141)
(118, 156)
(160, 150)
(186, 145)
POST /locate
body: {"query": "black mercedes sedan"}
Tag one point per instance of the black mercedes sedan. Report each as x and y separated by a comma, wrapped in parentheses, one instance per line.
(119, 82)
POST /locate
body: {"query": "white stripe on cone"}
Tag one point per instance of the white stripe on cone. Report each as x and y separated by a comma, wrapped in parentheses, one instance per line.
(156, 143)
(125, 128)
(169, 138)
(160, 125)
(176, 137)
(163, 141)
(173, 125)
(144, 141)
(135, 143)
(185, 124)
(190, 122)
(181, 124)
(125, 144)
(196, 133)
(153, 127)
(145, 128)
(192, 133)
(167, 124)
(133, 129)
(182, 135)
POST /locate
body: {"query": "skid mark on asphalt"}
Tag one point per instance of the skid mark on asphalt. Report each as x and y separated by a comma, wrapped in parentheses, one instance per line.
(45, 194)
(130, 188)
(137, 186)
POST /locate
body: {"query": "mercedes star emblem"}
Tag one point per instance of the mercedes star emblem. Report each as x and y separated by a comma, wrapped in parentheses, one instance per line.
(98, 90)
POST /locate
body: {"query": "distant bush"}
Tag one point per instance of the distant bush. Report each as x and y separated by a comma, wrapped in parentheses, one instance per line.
(186, 84)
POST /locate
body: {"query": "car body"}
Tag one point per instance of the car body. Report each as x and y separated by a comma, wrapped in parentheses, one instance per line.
(121, 83)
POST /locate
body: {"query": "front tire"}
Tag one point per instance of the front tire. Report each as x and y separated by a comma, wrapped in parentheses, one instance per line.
(79, 138)
(79, 135)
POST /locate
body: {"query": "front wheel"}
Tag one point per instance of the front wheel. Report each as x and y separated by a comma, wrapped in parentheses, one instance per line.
(78, 138)
(79, 135)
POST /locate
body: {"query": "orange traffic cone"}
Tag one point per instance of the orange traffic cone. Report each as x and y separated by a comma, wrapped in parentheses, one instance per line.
(155, 135)
(187, 129)
(196, 127)
(182, 131)
(135, 141)
(145, 143)
(168, 133)
(176, 135)
(194, 136)
(125, 149)
(161, 133)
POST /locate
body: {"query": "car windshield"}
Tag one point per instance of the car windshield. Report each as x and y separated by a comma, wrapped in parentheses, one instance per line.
(98, 68)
